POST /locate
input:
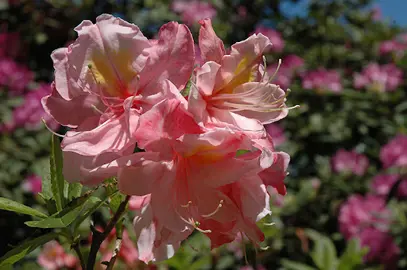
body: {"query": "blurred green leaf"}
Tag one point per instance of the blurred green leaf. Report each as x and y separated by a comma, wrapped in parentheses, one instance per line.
(57, 179)
(324, 251)
(9, 205)
(23, 249)
(291, 265)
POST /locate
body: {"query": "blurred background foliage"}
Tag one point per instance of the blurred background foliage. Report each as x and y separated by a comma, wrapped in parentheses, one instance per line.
(345, 67)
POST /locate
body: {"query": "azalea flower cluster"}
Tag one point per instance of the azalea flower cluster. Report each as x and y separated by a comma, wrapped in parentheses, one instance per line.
(15, 80)
(201, 162)
(368, 218)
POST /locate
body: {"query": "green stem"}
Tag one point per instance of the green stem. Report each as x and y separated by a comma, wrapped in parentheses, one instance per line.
(98, 237)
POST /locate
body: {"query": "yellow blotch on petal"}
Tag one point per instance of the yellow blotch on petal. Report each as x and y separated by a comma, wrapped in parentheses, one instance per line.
(204, 154)
(246, 71)
(113, 72)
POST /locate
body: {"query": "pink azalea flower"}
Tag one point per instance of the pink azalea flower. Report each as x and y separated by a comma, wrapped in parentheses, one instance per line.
(196, 181)
(32, 184)
(232, 89)
(394, 153)
(382, 248)
(322, 80)
(193, 11)
(128, 253)
(349, 161)
(359, 213)
(287, 70)
(14, 76)
(54, 257)
(382, 184)
(275, 37)
(383, 78)
(30, 113)
(105, 80)
(277, 133)
(392, 46)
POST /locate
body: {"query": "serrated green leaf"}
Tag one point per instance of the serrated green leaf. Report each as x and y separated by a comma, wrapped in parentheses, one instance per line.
(22, 250)
(9, 205)
(57, 180)
(290, 265)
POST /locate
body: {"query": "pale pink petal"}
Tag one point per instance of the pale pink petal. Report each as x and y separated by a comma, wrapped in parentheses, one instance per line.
(274, 176)
(210, 44)
(168, 119)
(115, 135)
(171, 58)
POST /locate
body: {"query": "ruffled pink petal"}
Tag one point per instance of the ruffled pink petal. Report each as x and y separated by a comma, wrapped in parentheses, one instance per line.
(168, 119)
(274, 176)
(81, 107)
(211, 46)
(115, 135)
(171, 58)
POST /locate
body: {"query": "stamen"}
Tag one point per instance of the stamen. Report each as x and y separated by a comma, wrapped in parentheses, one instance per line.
(96, 109)
(186, 205)
(50, 130)
(264, 248)
(275, 72)
(216, 210)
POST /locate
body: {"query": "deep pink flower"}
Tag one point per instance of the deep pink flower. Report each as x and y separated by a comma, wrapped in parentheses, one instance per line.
(359, 213)
(32, 184)
(13, 76)
(54, 257)
(105, 80)
(382, 248)
(349, 161)
(277, 133)
(322, 80)
(232, 89)
(382, 184)
(275, 37)
(193, 11)
(30, 113)
(392, 46)
(394, 153)
(383, 78)
(10, 44)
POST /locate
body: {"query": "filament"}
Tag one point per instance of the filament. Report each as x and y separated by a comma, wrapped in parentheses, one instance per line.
(216, 210)
(50, 130)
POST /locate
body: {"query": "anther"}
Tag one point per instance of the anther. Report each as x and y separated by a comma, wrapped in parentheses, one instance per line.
(269, 224)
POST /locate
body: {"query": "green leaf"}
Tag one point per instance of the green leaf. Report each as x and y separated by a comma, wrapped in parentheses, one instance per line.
(290, 265)
(88, 209)
(353, 255)
(324, 252)
(9, 205)
(74, 191)
(64, 218)
(57, 180)
(241, 152)
(115, 201)
(46, 191)
(22, 250)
